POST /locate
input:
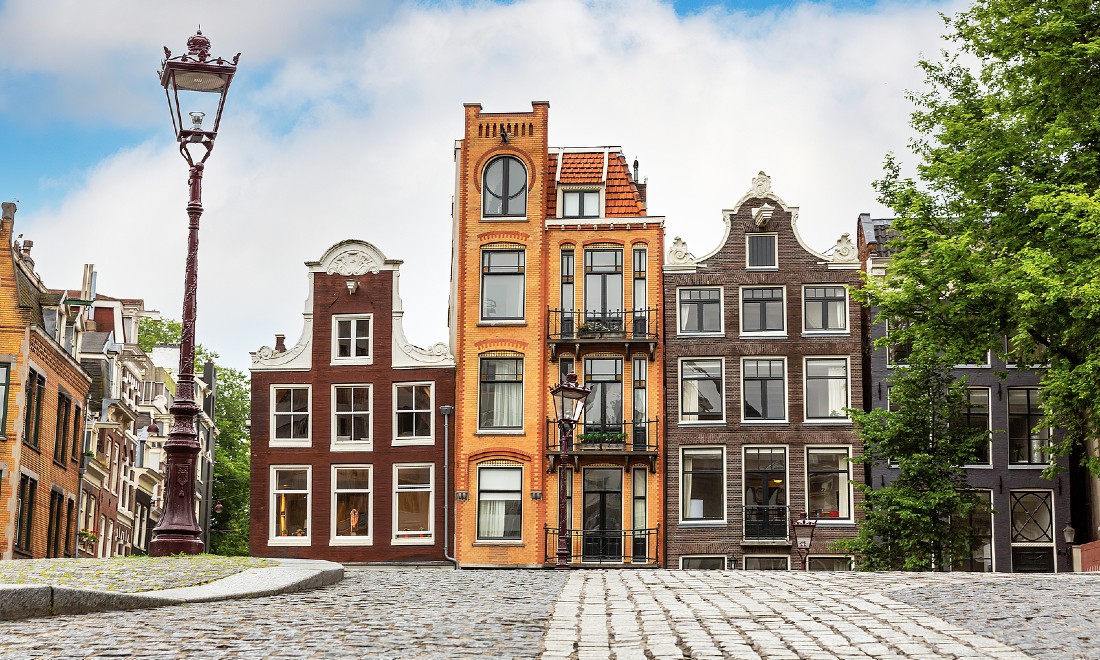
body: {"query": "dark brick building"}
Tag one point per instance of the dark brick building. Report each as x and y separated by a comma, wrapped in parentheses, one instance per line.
(348, 438)
(1020, 527)
(762, 355)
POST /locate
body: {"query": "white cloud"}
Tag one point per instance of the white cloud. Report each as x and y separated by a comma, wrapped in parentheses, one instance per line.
(813, 96)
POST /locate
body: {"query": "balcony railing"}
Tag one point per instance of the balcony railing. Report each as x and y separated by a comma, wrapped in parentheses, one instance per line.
(600, 326)
(604, 439)
(635, 547)
(767, 523)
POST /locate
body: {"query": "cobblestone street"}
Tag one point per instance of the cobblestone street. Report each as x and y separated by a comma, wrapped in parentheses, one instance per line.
(437, 613)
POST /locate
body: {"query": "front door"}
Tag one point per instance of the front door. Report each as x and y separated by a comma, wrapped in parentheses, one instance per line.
(603, 515)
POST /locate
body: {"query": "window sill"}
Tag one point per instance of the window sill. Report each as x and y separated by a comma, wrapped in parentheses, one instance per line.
(826, 333)
(356, 362)
(34, 447)
(418, 442)
(764, 422)
(703, 523)
(978, 466)
(765, 269)
(972, 366)
(503, 322)
(351, 446)
(510, 544)
(833, 522)
(289, 541)
(351, 541)
(515, 432)
(719, 334)
(504, 218)
(284, 444)
(842, 421)
(762, 335)
(428, 541)
(709, 422)
(1027, 466)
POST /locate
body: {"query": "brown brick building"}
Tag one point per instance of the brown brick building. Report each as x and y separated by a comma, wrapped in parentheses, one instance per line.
(43, 391)
(348, 439)
(762, 356)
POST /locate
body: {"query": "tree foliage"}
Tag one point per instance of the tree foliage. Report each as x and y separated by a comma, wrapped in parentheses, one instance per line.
(232, 410)
(998, 235)
(919, 521)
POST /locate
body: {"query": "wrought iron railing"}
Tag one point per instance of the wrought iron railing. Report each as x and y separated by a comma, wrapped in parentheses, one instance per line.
(600, 546)
(604, 324)
(597, 437)
(768, 522)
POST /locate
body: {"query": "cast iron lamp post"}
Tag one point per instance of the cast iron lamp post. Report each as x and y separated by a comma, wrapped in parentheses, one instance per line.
(803, 536)
(194, 76)
(1068, 534)
(568, 405)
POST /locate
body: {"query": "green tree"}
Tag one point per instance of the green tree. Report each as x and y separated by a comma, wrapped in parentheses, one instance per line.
(998, 234)
(232, 410)
(917, 522)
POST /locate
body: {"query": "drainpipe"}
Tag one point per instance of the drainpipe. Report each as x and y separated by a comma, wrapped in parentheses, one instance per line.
(446, 411)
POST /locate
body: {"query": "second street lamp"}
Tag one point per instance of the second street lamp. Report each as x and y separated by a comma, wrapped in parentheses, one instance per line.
(803, 536)
(568, 406)
(195, 84)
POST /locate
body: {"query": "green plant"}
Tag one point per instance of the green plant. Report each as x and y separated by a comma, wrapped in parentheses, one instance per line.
(601, 436)
(88, 535)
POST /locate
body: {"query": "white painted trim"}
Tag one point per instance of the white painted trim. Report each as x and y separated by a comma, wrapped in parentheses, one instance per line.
(680, 385)
(725, 562)
(415, 440)
(756, 269)
(721, 311)
(429, 540)
(829, 522)
(334, 341)
(760, 334)
(335, 540)
(846, 331)
(704, 522)
(745, 558)
(806, 359)
(786, 392)
(337, 446)
(272, 441)
(272, 539)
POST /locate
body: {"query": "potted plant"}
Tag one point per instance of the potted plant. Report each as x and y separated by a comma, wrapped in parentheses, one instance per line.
(87, 535)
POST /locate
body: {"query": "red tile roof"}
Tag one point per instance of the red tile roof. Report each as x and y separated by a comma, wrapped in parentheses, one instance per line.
(621, 195)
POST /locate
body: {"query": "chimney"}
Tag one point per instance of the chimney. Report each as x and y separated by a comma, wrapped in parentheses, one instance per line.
(27, 245)
(280, 343)
(640, 185)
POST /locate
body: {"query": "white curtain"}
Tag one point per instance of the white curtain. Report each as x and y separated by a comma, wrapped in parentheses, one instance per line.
(491, 519)
(836, 315)
(508, 404)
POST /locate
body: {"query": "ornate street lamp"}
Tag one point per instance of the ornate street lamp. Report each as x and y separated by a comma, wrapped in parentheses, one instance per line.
(803, 536)
(196, 84)
(568, 405)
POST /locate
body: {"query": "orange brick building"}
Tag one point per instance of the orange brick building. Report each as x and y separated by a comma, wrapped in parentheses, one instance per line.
(556, 269)
(43, 391)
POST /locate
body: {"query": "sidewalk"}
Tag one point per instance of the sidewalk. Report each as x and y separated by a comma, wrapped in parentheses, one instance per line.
(49, 588)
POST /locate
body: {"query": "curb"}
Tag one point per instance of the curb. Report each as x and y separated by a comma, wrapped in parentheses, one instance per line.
(291, 575)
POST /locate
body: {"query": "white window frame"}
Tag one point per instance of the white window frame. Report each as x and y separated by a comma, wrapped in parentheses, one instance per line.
(521, 248)
(488, 540)
(786, 484)
(367, 445)
(988, 425)
(272, 539)
(355, 359)
(398, 441)
(503, 430)
(805, 384)
(745, 561)
(680, 391)
(708, 522)
(762, 233)
(987, 364)
(828, 556)
(721, 332)
(847, 483)
(369, 513)
(563, 190)
(272, 441)
(847, 330)
(755, 334)
(725, 562)
(396, 539)
(1054, 531)
(786, 392)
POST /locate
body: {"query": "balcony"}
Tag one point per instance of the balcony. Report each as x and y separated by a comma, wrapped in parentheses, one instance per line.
(630, 329)
(626, 439)
(598, 547)
(767, 523)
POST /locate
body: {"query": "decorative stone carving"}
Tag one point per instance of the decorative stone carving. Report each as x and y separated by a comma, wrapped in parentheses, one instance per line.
(761, 185)
(298, 356)
(438, 352)
(845, 251)
(353, 262)
(678, 254)
(761, 215)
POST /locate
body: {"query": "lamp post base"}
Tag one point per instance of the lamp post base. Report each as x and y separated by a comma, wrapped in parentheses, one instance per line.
(175, 544)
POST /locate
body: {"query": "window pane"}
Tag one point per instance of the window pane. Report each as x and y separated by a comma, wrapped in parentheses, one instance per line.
(352, 514)
(353, 479)
(765, 563)
(414, 476)
(703, 563)
(413, 513)
(761, 250)
(291, 514)
(572, 204)
(501, 479)
(290, 479)
(829, 564)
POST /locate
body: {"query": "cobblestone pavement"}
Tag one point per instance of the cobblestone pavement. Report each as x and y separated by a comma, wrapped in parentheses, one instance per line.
(605, 614)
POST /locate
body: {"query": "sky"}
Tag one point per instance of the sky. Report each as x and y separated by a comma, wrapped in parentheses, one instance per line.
(342, 119)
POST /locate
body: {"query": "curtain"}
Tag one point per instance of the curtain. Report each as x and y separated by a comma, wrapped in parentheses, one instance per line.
(491, 519)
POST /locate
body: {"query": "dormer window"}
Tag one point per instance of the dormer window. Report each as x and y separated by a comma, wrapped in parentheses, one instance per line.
(505, 191)
(580, 204)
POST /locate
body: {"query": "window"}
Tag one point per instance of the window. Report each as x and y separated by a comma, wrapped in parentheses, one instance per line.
(976, 417)
(5, 383)
(502, 285)
(413, 419)
(826, 388)
(638, 510)
(759, 563)
(290, 505)
(351, 417)
(351, 339)
(603, 409)
(703, 562)
(412, 504)
(825, 563)
(764, 390)
(78, 433)
(980, 524)
(1026, 445)
(641, 427)
(290, 415)
(898, 350)
(505, 191)
(765, 493)
(639, 295)
(700, 310)
(568, 298)
(761, 250)
(24, 512)
(825, 308)
(1032, 531)
(499, 503)
(55, 544)
(34, 390)
(580, 204)
(828, 494)
(603, 287)
(762, 310)
(702, 485)
(61, 427)
(701, 391)
(70, 531)
(568, 488)
(500, 400)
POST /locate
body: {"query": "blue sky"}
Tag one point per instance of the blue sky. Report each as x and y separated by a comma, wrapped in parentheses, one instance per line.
(342, 119)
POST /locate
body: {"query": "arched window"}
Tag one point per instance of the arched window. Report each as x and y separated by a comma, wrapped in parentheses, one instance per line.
(505, 189)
